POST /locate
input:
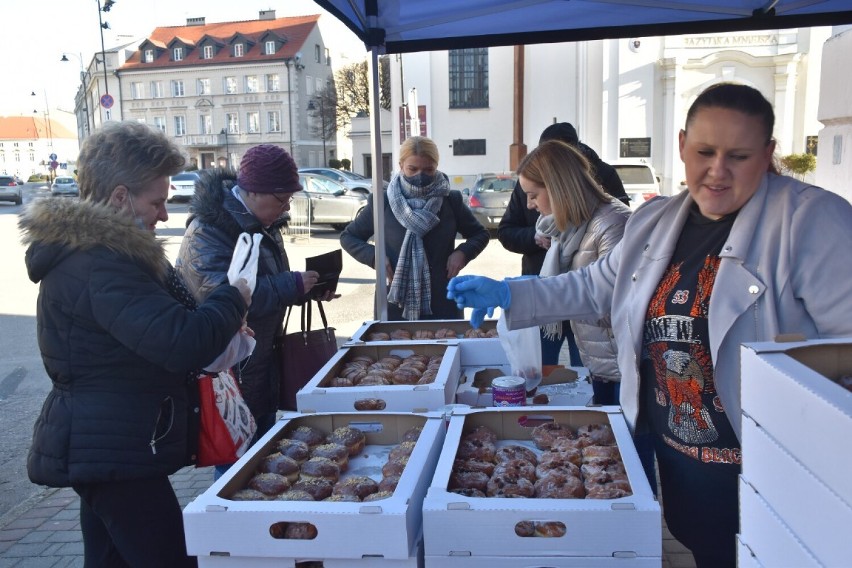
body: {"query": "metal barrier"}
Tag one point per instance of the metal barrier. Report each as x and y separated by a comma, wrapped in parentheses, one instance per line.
(299, 225)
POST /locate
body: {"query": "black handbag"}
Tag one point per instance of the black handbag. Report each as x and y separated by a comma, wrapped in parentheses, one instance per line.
(302, 353)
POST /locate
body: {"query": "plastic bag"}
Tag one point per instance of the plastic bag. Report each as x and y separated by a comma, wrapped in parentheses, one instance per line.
(244, 260)
(523, 349)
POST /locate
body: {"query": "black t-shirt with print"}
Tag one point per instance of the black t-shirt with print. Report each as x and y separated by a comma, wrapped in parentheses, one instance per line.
(697, 451)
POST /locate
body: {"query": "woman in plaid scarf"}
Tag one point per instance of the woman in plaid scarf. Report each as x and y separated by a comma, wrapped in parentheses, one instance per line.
(422, 217)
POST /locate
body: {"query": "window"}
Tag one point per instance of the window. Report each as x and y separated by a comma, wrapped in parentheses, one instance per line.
(253, 122)
(317, 53)
(204, 87)
(207, 52)
(178, 88)
(273, 85)
(160, 122)
(239, 50)
(180, 126)
(252, 85)
(273, 120)
(207, 124)
(177, 54)
(149, 56)
(137, 90)
(469, 78)
(230, 85)
(472, 147)
(269, 48)
(327, 57)
(233, 123)
(156, 89)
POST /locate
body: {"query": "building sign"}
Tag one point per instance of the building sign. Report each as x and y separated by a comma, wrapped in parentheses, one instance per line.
(635, 148)
(405, 123)
(811, 144)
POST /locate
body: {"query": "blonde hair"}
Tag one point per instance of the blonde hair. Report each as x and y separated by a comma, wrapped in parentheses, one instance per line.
(565, 173)
(418, 146)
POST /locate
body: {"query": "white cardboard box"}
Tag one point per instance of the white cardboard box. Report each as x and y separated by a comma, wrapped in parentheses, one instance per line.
(790, 390)
(454, 525)
(767, 539)
(812, 511)
(390, 528)
(745, 557)
(564, 386)
(541, 562)
(317, 397)
(482, 351)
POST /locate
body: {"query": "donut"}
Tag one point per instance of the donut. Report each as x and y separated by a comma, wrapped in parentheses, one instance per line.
(550, 529)
(474, 333)
(389, 483)
(492, 333)
(401, 449)
(358, 485)
(391, 361)
(521, 468)
(295, 495)
(468, 492)
(417, 358)
(353, 438)
(481, 433)
(381, 372)
(406, 376)
(248, 494)
(468, 480)
(318, 488)
(342, 498)
(362, 358)
(565, 445)
(573, 456)
(300, 531)
(595, 476)
(270, 484)
(515, 452)
(294, 449)
(378, 496)
(378, 336)
(424, 334)
(280, 464)
(509, 485)
(369, 404)
(373, 381)
(606, 452)
(559, 486)
(474, 465)
(334, 452)
(428, 377)
(400, 334)
(412, 434)
(556, 464)
(307, 434)
(595, 435)
(544, 435)
(607, 492)
(445, 333)
(525, 528)
(339, 382)
(322, 468)
(394, 467)
(474, 448)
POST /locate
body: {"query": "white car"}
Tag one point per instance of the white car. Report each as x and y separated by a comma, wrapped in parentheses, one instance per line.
(182, 186)
(640, 182)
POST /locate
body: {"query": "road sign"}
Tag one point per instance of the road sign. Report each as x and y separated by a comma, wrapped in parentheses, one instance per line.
(107, 101)
(54, 164)
(52, 156)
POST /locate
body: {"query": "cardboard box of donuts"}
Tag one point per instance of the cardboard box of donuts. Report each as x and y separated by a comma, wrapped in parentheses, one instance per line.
(341, 489)
(795, 488)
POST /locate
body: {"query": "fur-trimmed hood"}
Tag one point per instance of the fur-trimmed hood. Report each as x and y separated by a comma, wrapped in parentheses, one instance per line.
(54, 228)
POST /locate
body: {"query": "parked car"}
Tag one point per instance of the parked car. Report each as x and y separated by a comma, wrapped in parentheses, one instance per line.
(325, 202)
(66, 186)
(640, 182)
(348, 179)
(11, 190)
(489, 196)
(182, 186)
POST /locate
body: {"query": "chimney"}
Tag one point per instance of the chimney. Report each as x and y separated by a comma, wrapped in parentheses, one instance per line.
(266, 15)
(196, 21)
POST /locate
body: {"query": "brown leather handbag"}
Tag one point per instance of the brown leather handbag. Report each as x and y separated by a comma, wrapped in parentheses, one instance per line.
(302, 353)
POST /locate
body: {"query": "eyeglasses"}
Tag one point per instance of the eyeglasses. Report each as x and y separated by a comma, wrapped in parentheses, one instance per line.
(287, 201)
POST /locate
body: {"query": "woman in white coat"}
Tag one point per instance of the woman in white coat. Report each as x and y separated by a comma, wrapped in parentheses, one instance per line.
(742, 256)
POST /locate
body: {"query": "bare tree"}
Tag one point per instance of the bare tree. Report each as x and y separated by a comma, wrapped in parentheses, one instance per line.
(322, 108)
(352, 85)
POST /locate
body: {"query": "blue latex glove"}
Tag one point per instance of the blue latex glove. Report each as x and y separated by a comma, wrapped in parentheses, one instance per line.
(480, 293)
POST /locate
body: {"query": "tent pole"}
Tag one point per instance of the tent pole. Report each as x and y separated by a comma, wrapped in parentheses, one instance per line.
(381, 308)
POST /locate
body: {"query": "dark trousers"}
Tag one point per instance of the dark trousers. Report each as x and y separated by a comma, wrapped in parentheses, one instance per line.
(550, 348)
(132, 524)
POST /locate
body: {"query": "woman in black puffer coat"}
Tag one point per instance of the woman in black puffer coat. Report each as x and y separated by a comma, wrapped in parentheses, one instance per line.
(121, 347)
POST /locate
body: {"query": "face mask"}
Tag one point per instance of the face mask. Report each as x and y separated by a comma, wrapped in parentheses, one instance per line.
(137, 220)
(420, 180)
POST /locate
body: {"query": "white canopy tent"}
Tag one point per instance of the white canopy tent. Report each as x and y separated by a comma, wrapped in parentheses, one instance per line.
(400, 26)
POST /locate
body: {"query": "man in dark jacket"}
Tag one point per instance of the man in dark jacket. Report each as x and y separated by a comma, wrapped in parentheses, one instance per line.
(516, 230)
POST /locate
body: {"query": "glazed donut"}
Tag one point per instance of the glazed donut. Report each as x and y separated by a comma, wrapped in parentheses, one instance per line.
(544, 435)
(359, 486)
(468, 480)
(607, 492)
(317, 487)
(300, 531)
(401, 449)
(394, 467)
(601, 452)
(322, 468)
(424, 334)
(559, 486)
(550, 529)
(525, 528)
(378, 336)
(392, 361)
(565, 445)
(378, 496)
(474, 333)
(445, 333)
(280, 464)
(270, 484)
(492, 333)
(294, 449)
(342, 498)
(406, 376)
(474, 465)
(400, 334)
(341, 382)
(473, 448)
(481, 433)
(334, 452)
(428, 377)
(412, 434)
(369, 404)
(595, 476)
(515, 452)
(249, 495)
(384, 373)
(379, 366)
(353, 438)
(468, 492)
(307, 434)
(573, 456)
(295, 495)
(556, 464)
(362, 358)
(521, 468)
(417, 358)
(509, 485)
(353, 374)
(389, 483)
(596, 435)
(414, 365)
(373, 381)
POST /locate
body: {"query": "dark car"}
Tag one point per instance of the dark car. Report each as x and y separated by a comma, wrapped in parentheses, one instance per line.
(11, 190)
(65, 185)
(325, 202)
(489, 197)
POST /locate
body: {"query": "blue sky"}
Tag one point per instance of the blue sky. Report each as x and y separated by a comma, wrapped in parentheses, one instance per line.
(37, 32)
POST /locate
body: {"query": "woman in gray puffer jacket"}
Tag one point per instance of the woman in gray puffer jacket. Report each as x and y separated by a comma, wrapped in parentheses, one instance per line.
(583, 224)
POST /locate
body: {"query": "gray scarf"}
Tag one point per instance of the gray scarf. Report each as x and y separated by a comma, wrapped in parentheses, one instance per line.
(416, 209)
(563, 246)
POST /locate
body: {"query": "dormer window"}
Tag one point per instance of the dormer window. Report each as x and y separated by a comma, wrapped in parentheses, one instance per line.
(239, 50)
(149, 56)
(207, 52)
(177, 53)
(269, 48)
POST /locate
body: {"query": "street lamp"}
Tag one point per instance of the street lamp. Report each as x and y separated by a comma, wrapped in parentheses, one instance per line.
(312, 106)
(227, 148)
(104, 26)
(46, 116)
(83, 74)
(297, 60)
